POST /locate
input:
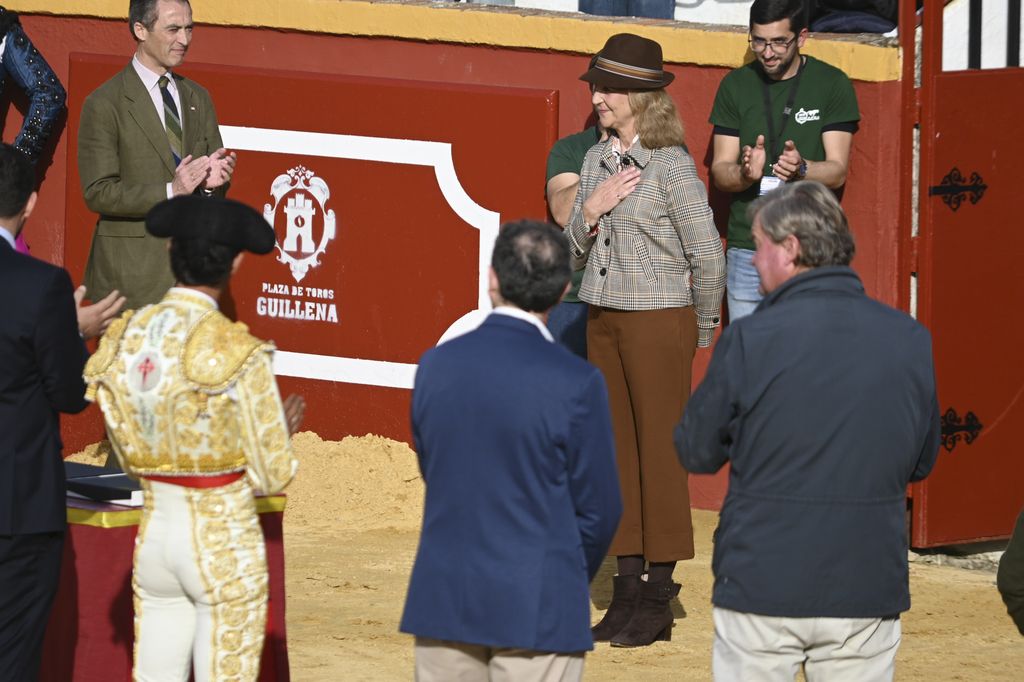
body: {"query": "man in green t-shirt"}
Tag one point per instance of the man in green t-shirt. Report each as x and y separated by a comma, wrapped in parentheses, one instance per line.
(783, 117)
(567, 321)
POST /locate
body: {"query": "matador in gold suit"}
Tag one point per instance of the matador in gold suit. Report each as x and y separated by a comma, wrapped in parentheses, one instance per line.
(192, 410)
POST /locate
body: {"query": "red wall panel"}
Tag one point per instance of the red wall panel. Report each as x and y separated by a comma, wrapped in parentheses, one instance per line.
(502, 141)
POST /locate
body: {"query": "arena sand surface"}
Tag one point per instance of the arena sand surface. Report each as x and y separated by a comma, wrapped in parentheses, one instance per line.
(351, 530)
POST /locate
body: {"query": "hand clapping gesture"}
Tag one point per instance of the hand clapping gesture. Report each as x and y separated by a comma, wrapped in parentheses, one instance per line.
(190, 174)
(752, 161)
(222, 167)
(790, 161)
(294, 411)
(94, 319)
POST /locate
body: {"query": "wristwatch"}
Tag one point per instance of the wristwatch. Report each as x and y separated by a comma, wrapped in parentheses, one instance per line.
(801, 171)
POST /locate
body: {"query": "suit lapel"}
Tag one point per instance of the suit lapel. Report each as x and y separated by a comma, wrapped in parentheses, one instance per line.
(140, 108)
(189, 115)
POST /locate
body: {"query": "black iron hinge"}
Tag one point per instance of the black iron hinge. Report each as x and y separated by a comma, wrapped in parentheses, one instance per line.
(954, 187)
(953, 428)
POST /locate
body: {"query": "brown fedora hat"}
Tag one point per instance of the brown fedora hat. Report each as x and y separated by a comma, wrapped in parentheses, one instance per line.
(629, 62)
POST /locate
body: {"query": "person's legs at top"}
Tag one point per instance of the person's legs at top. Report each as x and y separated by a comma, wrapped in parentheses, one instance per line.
(605, 8)
(743, 284)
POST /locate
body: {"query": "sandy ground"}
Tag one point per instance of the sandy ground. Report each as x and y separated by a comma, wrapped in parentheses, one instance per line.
(351, 529)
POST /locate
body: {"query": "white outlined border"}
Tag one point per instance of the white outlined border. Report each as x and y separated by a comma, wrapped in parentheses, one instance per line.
(437, 155)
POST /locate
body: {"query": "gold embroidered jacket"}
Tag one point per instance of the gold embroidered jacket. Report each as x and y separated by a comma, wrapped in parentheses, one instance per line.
(185, 391)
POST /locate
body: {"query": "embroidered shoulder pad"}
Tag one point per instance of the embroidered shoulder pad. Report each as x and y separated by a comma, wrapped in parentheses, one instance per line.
(216, 350)
(110, 344)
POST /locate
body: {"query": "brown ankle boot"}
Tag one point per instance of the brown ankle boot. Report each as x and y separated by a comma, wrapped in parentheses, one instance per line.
(652, 619)
(625, 589)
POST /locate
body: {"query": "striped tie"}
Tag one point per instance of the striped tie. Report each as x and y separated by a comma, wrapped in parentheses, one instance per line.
(172, 122)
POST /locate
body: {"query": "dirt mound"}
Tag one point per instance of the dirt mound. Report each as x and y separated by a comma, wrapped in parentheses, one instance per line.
(359, 483)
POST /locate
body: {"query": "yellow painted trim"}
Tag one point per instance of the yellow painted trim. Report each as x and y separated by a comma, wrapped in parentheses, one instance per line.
(130, 516)
(274, 504)
(497, 26)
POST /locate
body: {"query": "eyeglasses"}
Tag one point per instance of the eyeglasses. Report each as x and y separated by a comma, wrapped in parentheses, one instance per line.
(778, 45)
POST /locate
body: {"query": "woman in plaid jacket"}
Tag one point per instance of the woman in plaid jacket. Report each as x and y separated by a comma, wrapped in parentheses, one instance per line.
(655, 273)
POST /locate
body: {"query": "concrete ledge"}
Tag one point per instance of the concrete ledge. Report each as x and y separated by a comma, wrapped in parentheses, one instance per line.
(862, 59)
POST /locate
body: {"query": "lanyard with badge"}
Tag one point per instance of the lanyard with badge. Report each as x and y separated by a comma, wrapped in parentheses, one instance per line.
(770, 182)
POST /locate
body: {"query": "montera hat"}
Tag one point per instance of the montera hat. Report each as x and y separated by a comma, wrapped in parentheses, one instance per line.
(218, 220)
(629, 62)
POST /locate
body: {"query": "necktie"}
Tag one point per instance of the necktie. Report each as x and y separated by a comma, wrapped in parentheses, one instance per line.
(172, 121)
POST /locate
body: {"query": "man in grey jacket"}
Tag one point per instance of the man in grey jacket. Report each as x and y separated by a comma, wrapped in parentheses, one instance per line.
(823, 401)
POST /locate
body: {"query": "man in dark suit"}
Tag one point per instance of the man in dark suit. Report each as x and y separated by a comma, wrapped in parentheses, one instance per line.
(41, 376)
(522, 496)
(145, 135)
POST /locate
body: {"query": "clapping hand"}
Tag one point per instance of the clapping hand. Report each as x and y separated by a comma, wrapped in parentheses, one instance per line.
(789, 163)
(222, 167)
(190, 174)
(294, 411)
(94, 319)
(752, 161)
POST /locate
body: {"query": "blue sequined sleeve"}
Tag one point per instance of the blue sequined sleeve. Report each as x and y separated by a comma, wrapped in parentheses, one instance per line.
(27, 68)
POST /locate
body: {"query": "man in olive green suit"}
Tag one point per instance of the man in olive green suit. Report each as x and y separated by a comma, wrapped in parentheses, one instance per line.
(147, 134)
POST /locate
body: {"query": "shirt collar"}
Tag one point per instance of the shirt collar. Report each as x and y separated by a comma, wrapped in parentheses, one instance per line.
(7, 236)
(149, 78)
(192, 296)
(640, 156)
(520, 314)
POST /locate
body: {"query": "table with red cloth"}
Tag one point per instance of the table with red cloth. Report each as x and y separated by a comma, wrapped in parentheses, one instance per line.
(91, 631)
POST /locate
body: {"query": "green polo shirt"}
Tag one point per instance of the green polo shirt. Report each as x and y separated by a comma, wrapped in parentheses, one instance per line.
(566, 156)
(824, 101)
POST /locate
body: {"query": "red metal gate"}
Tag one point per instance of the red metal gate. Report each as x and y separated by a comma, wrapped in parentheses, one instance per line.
(970, 243)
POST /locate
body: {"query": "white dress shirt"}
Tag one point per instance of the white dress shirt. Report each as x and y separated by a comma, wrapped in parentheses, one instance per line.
(151, 81)
(521, 314)
(8, 237)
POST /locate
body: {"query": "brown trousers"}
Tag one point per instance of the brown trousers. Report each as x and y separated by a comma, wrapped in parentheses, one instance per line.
(645, 357)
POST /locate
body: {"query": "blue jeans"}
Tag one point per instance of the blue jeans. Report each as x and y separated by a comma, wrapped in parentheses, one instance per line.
(567, 322)
(654, 9)
(742, 284)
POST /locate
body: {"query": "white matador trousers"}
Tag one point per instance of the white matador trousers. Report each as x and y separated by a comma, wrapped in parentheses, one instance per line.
(200, 585)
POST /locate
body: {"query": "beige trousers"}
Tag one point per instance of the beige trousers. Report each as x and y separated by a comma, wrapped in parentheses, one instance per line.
(200, 585)
(441, 661)
(772, 649)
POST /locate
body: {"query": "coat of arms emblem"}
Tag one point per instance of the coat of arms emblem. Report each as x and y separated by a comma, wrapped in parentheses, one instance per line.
(308, 224)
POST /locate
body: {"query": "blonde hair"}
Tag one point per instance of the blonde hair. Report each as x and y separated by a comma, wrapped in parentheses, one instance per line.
(657, 119)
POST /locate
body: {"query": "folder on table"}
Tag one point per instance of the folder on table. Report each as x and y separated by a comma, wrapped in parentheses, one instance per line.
(102, 484)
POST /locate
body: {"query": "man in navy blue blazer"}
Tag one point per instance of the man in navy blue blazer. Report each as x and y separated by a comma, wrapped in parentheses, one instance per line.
(40, 376)
(515, 445)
